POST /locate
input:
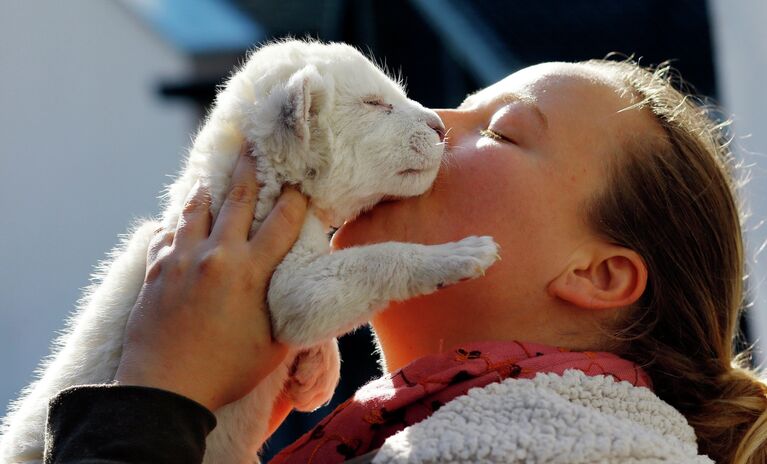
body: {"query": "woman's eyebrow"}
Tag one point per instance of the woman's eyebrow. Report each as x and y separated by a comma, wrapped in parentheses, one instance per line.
(511, 97)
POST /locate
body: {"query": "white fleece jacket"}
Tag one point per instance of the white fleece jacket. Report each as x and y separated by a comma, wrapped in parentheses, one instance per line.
(573, 418)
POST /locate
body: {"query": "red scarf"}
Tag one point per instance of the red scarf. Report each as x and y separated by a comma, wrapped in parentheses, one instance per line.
(387, 405)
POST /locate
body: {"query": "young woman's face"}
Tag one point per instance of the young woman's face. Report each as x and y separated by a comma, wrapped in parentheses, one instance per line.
(523, 157)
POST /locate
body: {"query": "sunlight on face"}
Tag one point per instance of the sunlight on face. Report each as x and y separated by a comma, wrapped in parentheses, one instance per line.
(524, 157)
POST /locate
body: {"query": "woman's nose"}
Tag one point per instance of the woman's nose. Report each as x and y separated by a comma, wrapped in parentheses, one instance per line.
(439, 128)
(452, 123)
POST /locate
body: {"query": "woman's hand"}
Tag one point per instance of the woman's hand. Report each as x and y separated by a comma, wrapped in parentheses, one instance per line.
(200, 326)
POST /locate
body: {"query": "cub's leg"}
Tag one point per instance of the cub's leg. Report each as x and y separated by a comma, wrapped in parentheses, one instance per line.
(314, 375)
(334, 293)
(243, 426)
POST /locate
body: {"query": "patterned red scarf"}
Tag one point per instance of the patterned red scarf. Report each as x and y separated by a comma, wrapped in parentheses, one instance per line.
(387, 405)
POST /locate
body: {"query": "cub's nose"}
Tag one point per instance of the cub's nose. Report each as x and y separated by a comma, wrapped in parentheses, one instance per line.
(439, 128)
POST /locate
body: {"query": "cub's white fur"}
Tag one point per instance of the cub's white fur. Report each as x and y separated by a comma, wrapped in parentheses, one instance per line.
(322, 117)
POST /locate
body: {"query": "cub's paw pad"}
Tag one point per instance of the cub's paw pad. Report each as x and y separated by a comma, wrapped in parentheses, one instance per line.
(482, 249)
(466, 259)
(313, 376)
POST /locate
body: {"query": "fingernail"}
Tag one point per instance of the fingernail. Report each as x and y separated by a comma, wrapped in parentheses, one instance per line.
(245, 150)
(293, 195)
(200, 188)
(293, 191)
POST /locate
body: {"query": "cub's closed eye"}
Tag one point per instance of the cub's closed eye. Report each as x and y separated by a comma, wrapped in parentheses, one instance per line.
(373, 101)
(491, 134)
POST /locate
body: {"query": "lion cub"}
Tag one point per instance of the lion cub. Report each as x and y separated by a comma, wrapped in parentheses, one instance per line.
(321, 117)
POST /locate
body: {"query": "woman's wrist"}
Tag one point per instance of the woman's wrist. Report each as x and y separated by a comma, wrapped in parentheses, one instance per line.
(130, 376)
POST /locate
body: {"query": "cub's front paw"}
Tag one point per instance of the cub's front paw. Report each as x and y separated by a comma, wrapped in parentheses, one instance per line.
(457, 261)
(314, 376)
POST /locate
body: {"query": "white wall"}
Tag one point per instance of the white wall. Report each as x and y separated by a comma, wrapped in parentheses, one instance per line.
(740, 32)
(84, 147)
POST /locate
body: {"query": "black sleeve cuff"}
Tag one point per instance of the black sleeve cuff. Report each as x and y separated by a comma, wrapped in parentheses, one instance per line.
(125, 424)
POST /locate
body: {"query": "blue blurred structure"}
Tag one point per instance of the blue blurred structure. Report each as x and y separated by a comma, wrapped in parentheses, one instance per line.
(199, 26)
(448, 47)
(464, 32)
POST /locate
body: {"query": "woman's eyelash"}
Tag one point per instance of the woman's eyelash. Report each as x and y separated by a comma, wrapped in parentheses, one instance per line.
(491, 134)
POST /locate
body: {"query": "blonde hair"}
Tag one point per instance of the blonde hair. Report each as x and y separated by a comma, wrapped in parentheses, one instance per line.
(671, 198)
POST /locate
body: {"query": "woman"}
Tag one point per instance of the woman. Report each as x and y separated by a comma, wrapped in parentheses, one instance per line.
(609, 194)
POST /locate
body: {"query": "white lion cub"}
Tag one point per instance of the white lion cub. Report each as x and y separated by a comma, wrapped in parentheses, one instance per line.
(326, 119)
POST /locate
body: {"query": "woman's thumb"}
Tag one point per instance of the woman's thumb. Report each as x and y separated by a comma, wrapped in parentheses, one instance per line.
(280, 229)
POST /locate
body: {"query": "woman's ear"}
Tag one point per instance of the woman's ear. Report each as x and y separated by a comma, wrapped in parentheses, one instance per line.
(603, 277)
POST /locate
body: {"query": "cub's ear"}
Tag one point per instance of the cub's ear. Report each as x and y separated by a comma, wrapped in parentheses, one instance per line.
(306, 96)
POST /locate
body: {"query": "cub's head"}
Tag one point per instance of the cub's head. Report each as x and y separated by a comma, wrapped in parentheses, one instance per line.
(333, 123)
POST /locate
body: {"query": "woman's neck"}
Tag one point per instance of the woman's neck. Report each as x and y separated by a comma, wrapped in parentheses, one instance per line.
(432, 324)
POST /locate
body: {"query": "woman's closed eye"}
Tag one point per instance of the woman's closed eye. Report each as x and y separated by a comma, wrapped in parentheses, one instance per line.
(491, 134)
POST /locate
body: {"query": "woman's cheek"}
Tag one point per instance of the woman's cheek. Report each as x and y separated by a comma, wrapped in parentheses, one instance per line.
(471, 194)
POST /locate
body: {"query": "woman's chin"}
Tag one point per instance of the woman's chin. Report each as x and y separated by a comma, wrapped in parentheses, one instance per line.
(377, 225)
(356, 232)
(344, 237)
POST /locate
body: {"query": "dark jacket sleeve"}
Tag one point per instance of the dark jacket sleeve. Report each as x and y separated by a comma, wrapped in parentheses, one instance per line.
(111, 424)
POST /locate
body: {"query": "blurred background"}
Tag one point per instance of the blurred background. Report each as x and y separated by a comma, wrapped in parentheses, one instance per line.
(99, 100)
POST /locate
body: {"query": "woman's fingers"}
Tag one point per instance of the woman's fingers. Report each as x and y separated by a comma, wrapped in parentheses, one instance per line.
(162, 238)
(236, 215)
(194, 223)
(280, 229)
